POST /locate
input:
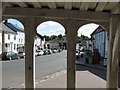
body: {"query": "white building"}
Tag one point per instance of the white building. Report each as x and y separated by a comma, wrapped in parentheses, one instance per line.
(20, 37)
(13, 37)
(39, 42)
(10, 42)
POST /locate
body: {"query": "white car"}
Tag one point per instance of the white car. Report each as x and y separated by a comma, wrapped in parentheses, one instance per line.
(41, 52)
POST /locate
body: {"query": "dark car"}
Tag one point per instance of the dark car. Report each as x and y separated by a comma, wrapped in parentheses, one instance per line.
(9, 55)
(45, 52)
(21, 54)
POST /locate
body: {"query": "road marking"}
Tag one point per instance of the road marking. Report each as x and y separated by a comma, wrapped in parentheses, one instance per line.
(42, 80)
(53, 75)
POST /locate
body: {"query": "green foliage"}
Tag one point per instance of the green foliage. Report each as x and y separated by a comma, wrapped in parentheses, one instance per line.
(54, 37)
(82, 38)
(47, 38)
(60, 37)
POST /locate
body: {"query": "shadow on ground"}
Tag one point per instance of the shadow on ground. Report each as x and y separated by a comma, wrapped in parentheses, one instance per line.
(100, 73)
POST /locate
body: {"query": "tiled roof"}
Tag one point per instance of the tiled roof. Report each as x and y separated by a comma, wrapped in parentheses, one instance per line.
(13, 27)
(97, 30)
(40, 36)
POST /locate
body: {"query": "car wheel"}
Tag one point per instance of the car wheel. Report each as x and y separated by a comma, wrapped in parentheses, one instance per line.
(10, 58)
(18, 57)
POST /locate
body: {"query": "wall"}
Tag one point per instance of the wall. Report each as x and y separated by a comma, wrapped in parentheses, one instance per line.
(20, 37)
(10, 44)
(100, 41)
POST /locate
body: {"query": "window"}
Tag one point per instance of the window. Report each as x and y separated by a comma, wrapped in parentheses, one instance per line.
(14, 37)
(19, 40)
(14, 46)
(8, 36)
(6, 45)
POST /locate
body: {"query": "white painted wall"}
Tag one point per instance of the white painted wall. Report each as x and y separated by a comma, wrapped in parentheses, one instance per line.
(20, 38)
(11, 44)
(39, 42)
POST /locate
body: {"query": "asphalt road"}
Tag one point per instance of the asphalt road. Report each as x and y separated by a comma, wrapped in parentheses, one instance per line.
(13, 72)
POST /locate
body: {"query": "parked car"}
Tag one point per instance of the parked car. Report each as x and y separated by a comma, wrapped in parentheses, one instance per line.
(60, 50)
(50, 51)
(36, 54)
(39, 52)
(46, 52)
(77, 52)
(10, 55)
(54, 51)
(21, 54)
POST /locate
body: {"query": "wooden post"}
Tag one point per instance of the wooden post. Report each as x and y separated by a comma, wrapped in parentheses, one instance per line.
(112, 68)
(30, 33)
(71, 48)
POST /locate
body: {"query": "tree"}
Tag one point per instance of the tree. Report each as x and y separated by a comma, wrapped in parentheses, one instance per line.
(47, 38)
(78, 39)
(82, 38)
(54, 37)
(60, 37)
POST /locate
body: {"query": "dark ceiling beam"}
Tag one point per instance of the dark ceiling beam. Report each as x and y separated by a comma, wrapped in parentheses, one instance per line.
(57, 13)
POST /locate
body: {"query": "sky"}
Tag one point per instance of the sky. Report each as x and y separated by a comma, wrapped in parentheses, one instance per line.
(53, 28)
(16, 22)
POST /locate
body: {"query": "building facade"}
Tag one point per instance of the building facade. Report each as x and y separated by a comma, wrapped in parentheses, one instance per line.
(99, 37)
(39, 42)
(13, 37)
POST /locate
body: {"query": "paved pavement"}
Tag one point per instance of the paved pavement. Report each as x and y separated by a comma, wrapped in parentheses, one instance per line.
(84, 79)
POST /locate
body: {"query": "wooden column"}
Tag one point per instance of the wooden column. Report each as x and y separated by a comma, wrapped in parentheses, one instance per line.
(0, 47)
(112, 68)
(30, 33)
(71, 48)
